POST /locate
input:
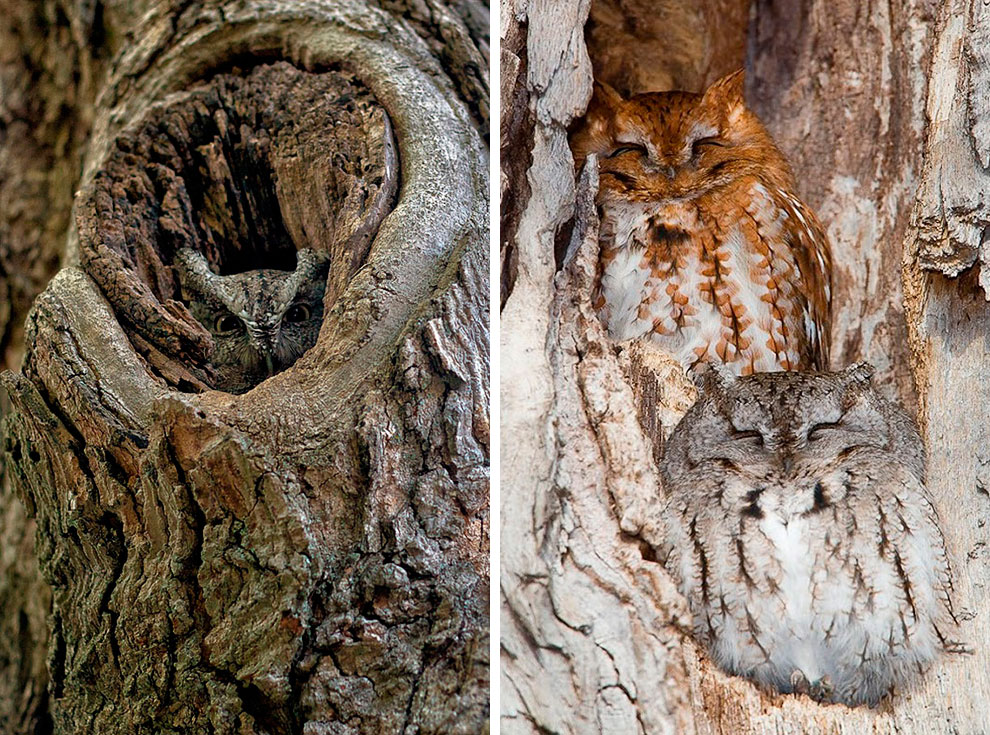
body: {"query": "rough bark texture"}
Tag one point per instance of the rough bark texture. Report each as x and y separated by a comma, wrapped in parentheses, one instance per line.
(594, 636)
(649, 46)
(310, 557)
(244, 169)
(842, 88)
(52, 54)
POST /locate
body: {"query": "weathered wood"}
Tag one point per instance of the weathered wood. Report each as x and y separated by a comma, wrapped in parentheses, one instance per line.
(843, 87)
(50, 64)
(312, 556)
(655, 46)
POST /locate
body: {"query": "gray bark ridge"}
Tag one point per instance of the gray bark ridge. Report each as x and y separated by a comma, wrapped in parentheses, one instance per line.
(952, 213)
(310, 557)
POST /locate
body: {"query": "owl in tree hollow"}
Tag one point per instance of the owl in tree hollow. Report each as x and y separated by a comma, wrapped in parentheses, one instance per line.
(261, 321)
(705, 249)
(798, 527)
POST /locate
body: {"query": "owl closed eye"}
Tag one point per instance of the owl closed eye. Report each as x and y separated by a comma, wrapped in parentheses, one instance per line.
(706, 250)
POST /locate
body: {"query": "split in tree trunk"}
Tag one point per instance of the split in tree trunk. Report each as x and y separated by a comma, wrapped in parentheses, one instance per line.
(843, 88)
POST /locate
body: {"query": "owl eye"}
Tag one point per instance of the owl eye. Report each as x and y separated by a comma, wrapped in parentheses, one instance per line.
(711, 141)
(227, 324)
(816, 431)
(628, 148)
(751, 434)
(297, 313)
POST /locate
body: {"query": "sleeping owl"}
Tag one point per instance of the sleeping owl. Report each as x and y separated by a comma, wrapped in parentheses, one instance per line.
(706, 250)
(799, 528)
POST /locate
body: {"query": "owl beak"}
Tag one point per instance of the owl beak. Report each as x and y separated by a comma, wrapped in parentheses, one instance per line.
(787, 462)
(663, 167)
(264, 343)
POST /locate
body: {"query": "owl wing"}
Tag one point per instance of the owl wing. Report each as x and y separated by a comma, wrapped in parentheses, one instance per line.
(814, 260)
(901, 558)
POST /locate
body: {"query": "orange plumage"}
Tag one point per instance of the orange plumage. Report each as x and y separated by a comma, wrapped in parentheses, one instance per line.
(705, 248)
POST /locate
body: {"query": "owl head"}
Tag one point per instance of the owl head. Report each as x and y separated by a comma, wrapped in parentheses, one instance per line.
(260, 321)
(661, 145)
(791, 428)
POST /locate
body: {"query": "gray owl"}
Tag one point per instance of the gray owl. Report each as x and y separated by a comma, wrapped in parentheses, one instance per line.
(261, 321)
(800, 531)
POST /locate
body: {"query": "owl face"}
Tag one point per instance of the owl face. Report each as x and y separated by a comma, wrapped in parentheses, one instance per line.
(676, 145)
(261, 321)
(797, 525)
(785, 430)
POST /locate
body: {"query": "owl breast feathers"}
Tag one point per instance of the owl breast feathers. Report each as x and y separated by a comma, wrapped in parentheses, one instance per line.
(705, 249)
(800, 531)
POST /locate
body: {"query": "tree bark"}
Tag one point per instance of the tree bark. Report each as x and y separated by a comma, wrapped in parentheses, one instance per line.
(595, 637)
(311, 556)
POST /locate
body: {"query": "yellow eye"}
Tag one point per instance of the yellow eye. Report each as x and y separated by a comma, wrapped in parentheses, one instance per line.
(227, 324)
(297, 313)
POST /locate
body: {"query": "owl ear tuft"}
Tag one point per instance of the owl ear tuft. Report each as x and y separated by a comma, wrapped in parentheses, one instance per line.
(856, 384)
(594, 132)
(714, 378)
(193, 269)
(729, 90)
(860, 372)
(605, 96)
(311, 260)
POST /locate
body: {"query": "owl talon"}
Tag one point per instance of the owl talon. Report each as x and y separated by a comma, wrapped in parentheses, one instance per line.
(821, 690)
(799, 682)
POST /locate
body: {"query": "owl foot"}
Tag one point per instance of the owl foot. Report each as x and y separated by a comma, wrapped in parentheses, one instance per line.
(820, 691)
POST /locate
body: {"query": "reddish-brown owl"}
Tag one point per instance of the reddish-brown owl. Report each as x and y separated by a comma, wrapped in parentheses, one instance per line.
(705, 249)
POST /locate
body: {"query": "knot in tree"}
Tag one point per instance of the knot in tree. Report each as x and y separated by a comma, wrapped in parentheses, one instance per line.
(231, 177)
(251, 425)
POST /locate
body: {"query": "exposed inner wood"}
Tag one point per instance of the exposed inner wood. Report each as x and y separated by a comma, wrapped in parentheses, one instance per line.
(648, 46)
(312, 556)
(877, 106)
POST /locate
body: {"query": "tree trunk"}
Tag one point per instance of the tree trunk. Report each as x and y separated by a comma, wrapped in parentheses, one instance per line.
(896, 167)
(311, 556)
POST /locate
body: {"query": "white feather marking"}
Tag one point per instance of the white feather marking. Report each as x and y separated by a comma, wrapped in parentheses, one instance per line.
(793, 553)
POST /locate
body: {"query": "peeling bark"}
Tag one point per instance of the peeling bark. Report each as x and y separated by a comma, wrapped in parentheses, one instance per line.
(585, 604)
(312, 556)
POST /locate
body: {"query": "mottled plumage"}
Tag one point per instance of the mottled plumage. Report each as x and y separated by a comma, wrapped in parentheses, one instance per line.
(705, 249)
(261, 321)
(799, 528)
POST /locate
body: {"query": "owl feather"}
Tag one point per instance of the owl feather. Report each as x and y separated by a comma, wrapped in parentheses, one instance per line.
(260, 321)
